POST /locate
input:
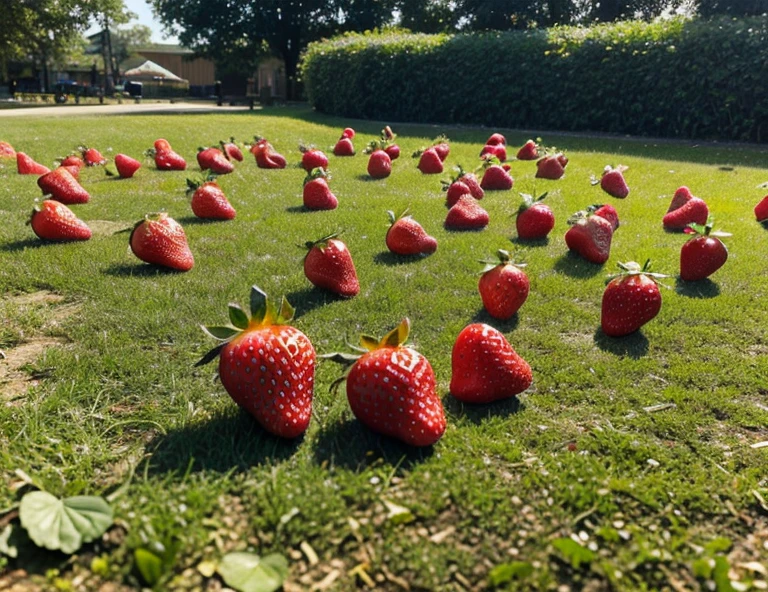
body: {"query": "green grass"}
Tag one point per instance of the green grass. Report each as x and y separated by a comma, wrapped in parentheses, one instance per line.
(116, 401)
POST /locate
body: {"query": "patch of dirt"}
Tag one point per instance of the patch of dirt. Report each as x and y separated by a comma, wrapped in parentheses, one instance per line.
(107, 227)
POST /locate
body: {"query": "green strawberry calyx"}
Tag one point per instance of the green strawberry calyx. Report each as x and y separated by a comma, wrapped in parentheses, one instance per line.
(317, 173)
(306, 147)
(488, 161)
(197, 181)
(529, 200)
(705, 229)
(320, 243)
(631, 268)
(394, 217)
(503, 257)
(376, 145)
(263, 313)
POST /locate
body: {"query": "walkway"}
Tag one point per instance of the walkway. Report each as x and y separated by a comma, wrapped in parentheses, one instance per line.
(127, 108)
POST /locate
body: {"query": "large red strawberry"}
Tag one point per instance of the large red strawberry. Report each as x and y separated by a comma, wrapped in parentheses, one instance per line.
(462, 180)
(348, 133)
(528, 151)
(430, 162)
(160, 240)
(761, 210)
(52, 220)
(208, 199)
(26, 165)
(685, 209)
(503, 286)
(231, 150)
(470, 180)
(345, 147)
(312, 158)
(391, 389)
(316, 194)
(266, 156)
(630, 299)
(166, 159)
(63, 187)
(606, 211)
(496, 139)
(91, 156)
(590, 236)
(704, 254)
(266, 365)
(442, 147)
(497, 150)
(407, 237)
(681, 196)
(453, 191)
(214, 160)
(393, 151)
(72, 160)
(613, 182)
(485, 367)
(126, 166)
(6, 150)
(495, 177)
(329, 265)
(379, 164)
(551, 167)
(466, 214)
(535, 220)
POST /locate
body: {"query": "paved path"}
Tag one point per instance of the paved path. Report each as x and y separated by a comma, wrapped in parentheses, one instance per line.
(124, 109)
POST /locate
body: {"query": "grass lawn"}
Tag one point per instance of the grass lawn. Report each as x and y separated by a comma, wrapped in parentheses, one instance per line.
(627, 465)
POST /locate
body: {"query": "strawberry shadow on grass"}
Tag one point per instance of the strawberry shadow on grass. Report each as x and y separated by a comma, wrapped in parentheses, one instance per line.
(311, 298)
(194, 220)
(27, 243)
(705, 288)
(634, 345)
(505, 326)
(528, 242)
(576, 266)
(479, 413)
(139, 270)
(390, 258)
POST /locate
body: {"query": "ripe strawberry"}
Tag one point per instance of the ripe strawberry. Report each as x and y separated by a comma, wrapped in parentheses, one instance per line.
(630, 300)
(214, 160)
(693, 211)
(72, 160)
(317, 195)
(393, 151)
(379, 164)
(391, 389)
(528, 151)
(442, 147)
(344, 147)
(208, 199)
(266, 156)
(590, 236)
(126, 166)
(761, 210)
(495, 140)
(466, 214)
(6, 150)
(503, 286)
(497, 150)
(470, 180)
(231, 150)
(430, 162)
(25, 165)
(682, 196)
(613, 182)
(485, 367)
(166, 159)
(73, 170)
(160, 240)
(495, 177)
(454, 191)
(551, 167)
(704, 254)
(407, 237)
(266, 366)
(162, 145)
(606, 211)
(329, 265)
(63, 187)
(312, 158)
(348, 133)
(52, 220)
(535, 220)
(91, 156)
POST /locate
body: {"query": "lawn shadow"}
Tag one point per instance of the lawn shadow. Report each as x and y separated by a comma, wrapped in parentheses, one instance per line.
(478, 413)
(233, 440)
(350, 445)
(705, 288)
(367, 178)
(194, 220)
(530, 242)
(503, 325)
(634, 345)
(139, 269)
(576, 266)
(309, 299)
(26, 243)
(391, 259)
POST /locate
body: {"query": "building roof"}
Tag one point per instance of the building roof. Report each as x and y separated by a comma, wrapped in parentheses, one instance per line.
(149, 70)
(164, 48)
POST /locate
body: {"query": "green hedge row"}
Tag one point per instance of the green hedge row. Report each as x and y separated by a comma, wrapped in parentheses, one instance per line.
(677, 78)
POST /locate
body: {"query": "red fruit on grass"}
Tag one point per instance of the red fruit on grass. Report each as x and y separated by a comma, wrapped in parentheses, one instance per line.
(393, 151)
(316, 194)
(348, 133)
(606, 211)
(630, 300)
(613, 182)
(231, 150)
(682, 196)
(312, 158)
(63, 187)
(391, 389)
(704, 254)
(266, 365)
(73, 170)
(590, 236)
(454, 191)
(503, 286)
(126, 166)
(497, 150)
(52, 220)
(442, 147)
(379, 164)
(160, 240)
(466, 214)
(430, 162)
(528, 151)
(535, 220)
(329, 265)
(344, 147)
(551, 167)
(72, 160)
(266, 156)
(693, 211)
(495, 140)
(407, 237)
(485, 367)
(166, 159)
(761, 210)
(6, 150)
(214, 160)
(208, 200)
(26, 165)
(496, 178)
(470, 180)
(162, 145)
(91, 156)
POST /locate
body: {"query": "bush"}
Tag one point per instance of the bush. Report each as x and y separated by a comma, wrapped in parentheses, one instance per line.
(678, 78)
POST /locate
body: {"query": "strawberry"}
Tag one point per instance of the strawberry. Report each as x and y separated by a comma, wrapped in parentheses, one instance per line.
(52, 220)
(6, 150)
(454, 191)
(704, 254)
(162, 145)
(761, 210)
(166, 159)
(72, 160)
(407, 237)
(393, 151)
(430, 162)
(495, 177)
(535, 219)
(590, 236)
(63, 187)
(317, 195)
(391, 389)
(528, 151)
(231, 150)
(329, 265)
(630, 299)
(495, 140)
(214, 160)
(497, 150)
(442, 147)
(485, 367)
(693, 211)
(73, 170)
(551, 167)
(348, 133)
(606, 211)
(26, 165)
(503, 286)
(266, 156)
(312, 158)
(379, 164)
(682, 196)
(467, 179)
(91, 156)
(266, 366)
(208, 199)
(126, 166)
(160, 240)
(344, 147)
(613, 182)
(466, 214)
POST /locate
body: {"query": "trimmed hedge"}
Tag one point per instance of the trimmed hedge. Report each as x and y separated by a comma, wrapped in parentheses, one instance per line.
(678, 78)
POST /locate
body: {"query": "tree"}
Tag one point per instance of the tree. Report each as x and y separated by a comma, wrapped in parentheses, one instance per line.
(733, 7)
(427, 16)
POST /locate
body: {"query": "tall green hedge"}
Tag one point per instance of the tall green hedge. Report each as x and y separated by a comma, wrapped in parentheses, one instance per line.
(677, 78)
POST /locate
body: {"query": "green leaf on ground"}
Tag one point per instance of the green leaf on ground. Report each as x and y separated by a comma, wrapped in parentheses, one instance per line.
(575, 553)
(507, 572)
(247, 572)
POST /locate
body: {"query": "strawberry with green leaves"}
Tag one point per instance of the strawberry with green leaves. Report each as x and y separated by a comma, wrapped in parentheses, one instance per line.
(454, 190)
(231, 149)
(214, 160)
(485, 367)
(496, 150)
(551, 166)
(208, 199)
(495, 176)
(166, 159)
(91, 156)
(312, 158)
(344, 146)
(160, 240)
(528, 151)
(496, 139)
(329, 265)
(126, 166)
(63, 187)
(266, 156)
(407, 237)
(388, 143)
(761, 210)
(535, 219)
(26, 165)
(466, 214)
(391, 389)
(630, 300)
(613, 182)
(589, 236)
(72, 160)
(52, 220)
(685, 209)
(442, 146)
(379, 164)
(317, 195)
(430, 162)
(503, 286)
(266, 365)
(703, 254)
(606, 211)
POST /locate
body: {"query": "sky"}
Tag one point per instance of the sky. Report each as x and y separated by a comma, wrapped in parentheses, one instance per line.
(141, 8)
